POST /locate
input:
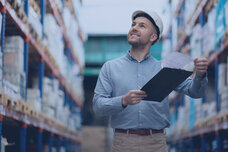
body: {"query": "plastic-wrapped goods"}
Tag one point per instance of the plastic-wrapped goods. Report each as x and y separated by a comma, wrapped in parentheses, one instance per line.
(78, 86)
(33, 98)
(226, 13)
(14, 63)
(174, 34)
(195, 41)
(21, 3)
(79, 50)
(224, 100)
(174, 4)
(34, 21)
(209, 33)
(16, 78)
(74, 121)
(197, 110)
(77, 6)
(63, 114)
(189, 9)
(0, 26)
(11, 90)
(14, 52)
(222, 77)
(49, 111)
(60, 98)
(183, 119)
(4, 143)
(166, 47)
(55, 41)
(227, 71)
(1, 70)
(208, 110)
(72, 31)
(59, 4)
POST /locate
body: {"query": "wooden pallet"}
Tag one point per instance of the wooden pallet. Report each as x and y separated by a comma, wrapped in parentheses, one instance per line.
(21, 14)
(19, 11)
(24, 107)
(2, 99)
(33, 113)
(11, 103)
(212, 121)
(199, 124)
(35, 6)
(222, 117)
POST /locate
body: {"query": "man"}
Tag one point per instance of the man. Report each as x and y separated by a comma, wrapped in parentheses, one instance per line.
(139, 125)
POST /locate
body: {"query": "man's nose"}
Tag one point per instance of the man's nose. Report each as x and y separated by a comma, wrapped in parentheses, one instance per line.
(135, 28)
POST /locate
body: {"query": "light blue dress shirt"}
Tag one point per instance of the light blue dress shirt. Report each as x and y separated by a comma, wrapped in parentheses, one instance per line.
(117, 77)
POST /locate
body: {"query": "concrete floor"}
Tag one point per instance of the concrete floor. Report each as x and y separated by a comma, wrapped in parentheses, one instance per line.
(94, 139)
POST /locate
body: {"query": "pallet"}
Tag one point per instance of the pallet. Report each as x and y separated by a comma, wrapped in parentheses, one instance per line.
(35, 6)
(210, 4)
(212, 121)
(33, 113)
(19, 11)
(25, 109)
(2, 100)
(199, 124)
(11, 103)
(223, 117)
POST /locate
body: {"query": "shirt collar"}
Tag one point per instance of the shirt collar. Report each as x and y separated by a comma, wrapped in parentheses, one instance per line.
(130, 57)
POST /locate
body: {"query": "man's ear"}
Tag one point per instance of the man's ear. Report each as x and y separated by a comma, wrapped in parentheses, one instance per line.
(153, 37)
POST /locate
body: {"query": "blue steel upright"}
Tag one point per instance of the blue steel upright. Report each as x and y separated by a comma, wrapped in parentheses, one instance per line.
(41, 64)
(26, 41)
(218, 142)
(216, 83)
(0, 132)
(23, 138)
(202, 23)
(41, 75)
(59, 141)
(191, 145)
(39, 140)
(202, 143)
(51, 141)
(3, 12)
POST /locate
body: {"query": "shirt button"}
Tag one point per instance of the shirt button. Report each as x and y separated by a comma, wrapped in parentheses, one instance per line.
(140, 124)
(139, 75)
(139, 111)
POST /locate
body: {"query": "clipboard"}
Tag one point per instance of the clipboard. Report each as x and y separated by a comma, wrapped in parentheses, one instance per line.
(164, 82)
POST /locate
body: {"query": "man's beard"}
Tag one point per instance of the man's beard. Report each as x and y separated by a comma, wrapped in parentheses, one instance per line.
(136, 43)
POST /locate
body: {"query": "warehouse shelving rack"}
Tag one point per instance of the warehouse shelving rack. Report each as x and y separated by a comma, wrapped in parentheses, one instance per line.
(215, 128)
(19, 112)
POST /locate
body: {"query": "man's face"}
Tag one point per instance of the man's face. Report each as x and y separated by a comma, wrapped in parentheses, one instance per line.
(142, 32)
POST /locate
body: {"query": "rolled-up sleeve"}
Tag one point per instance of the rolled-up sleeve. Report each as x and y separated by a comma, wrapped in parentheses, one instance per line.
(103, 103)
(194, 87)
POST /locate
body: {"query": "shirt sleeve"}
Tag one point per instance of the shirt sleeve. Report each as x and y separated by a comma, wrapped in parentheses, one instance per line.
(103, 103)
(194, 87)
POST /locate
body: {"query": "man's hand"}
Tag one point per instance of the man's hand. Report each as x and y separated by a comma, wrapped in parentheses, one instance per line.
(201, 66)
(133, 97)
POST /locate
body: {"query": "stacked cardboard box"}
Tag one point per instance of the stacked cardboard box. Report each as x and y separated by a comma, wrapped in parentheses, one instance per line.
(54, 41)
(222, 77)
(189, 9)
(195, 43)
(33, 98)
(226, 13)
(73, 33)
(209, 34)
(34, 21)
(14, 62)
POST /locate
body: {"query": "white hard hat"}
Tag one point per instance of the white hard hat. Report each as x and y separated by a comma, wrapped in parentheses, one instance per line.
(157, 20)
